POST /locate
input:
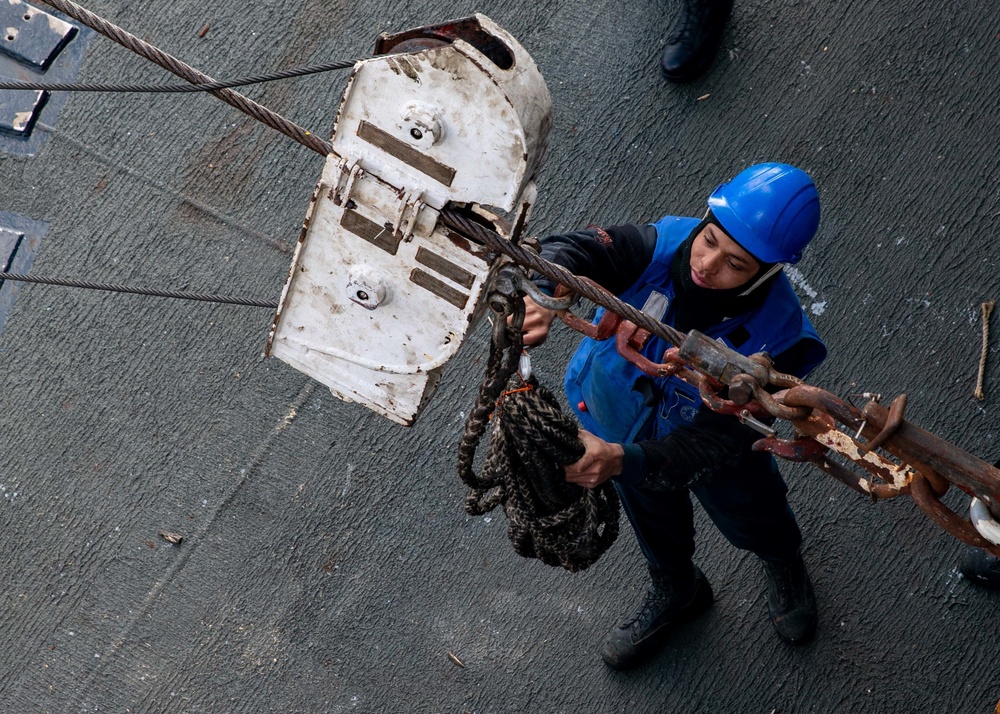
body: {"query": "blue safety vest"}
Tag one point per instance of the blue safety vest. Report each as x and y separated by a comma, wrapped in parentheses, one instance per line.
(618, 402)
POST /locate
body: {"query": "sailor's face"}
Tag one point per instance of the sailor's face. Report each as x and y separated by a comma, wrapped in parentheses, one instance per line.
(718, 262)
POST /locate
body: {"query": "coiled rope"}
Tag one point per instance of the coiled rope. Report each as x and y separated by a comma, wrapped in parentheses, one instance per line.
(559, 523)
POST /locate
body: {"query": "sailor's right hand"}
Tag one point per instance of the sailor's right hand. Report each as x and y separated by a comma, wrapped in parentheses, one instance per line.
(537, 322)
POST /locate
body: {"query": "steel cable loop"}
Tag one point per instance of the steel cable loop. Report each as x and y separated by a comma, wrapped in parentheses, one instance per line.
(110, 287)
(178, 88)
(559, 523)
(190, 74)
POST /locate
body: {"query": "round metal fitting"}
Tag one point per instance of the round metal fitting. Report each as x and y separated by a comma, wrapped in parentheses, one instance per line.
(422, 124)
(367, 289)
(984, 521)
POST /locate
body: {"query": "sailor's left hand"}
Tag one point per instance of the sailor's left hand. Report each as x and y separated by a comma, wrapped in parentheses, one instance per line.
(601, 461)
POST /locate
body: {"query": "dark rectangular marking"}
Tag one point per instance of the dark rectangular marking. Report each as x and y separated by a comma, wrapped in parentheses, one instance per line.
(439, 288)
(19, 240)
(445, 267)
(377, 235)
(406, 153)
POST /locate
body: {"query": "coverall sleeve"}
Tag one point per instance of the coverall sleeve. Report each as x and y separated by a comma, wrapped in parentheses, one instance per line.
(612, 257)
(689, 454)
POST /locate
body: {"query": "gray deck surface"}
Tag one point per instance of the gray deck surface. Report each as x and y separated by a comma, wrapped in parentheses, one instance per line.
(327, 564)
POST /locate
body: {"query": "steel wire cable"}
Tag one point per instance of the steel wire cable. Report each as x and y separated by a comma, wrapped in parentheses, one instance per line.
(178, 88)
(581, 286)
(116, 288)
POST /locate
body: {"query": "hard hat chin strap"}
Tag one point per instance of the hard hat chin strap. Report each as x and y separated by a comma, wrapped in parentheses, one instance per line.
(764, 277)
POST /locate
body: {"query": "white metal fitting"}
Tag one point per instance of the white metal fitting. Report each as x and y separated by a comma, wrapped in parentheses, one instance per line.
(984, 521)
(422, 123)
(379, 296)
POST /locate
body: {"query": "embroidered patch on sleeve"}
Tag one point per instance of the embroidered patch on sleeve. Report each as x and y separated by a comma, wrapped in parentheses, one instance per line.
(603, 237)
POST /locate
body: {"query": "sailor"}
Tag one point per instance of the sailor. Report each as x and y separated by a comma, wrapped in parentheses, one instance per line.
(721, 275)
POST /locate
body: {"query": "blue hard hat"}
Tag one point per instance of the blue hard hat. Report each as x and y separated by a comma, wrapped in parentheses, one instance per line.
(771, 210)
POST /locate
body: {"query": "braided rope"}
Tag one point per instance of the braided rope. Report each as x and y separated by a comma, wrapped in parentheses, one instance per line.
(559, 523)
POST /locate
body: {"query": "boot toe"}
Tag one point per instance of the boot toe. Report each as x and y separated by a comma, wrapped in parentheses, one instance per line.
(795, 627)
(681, 64)
(791, 602)
(981, 568)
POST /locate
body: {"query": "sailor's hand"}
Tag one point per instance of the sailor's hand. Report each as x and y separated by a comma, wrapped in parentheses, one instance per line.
(601, 461)
(537, 322)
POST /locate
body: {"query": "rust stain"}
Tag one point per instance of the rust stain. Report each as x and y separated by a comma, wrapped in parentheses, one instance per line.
(409, 68)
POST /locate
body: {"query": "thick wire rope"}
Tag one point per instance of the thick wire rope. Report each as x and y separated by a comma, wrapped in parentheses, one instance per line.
(116, 288)
(581, 286)
(178, 88)
(451, 218)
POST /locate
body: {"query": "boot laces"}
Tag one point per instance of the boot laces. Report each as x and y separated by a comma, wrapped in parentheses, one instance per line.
(783, 579)
(693, 16)
(658, 597)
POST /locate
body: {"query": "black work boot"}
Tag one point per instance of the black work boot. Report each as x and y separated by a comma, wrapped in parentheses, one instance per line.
(672, 598)
(981, 568)
(790, 600)
(695, 38)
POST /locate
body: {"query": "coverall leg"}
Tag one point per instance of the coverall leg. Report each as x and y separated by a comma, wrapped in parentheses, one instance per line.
(746, 501)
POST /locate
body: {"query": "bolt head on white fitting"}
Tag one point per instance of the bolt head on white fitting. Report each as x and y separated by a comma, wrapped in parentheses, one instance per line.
(422, 124)
(367, 289)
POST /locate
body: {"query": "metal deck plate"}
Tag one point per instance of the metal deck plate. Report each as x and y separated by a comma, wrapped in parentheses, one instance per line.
(41, 48)
(32, 36)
